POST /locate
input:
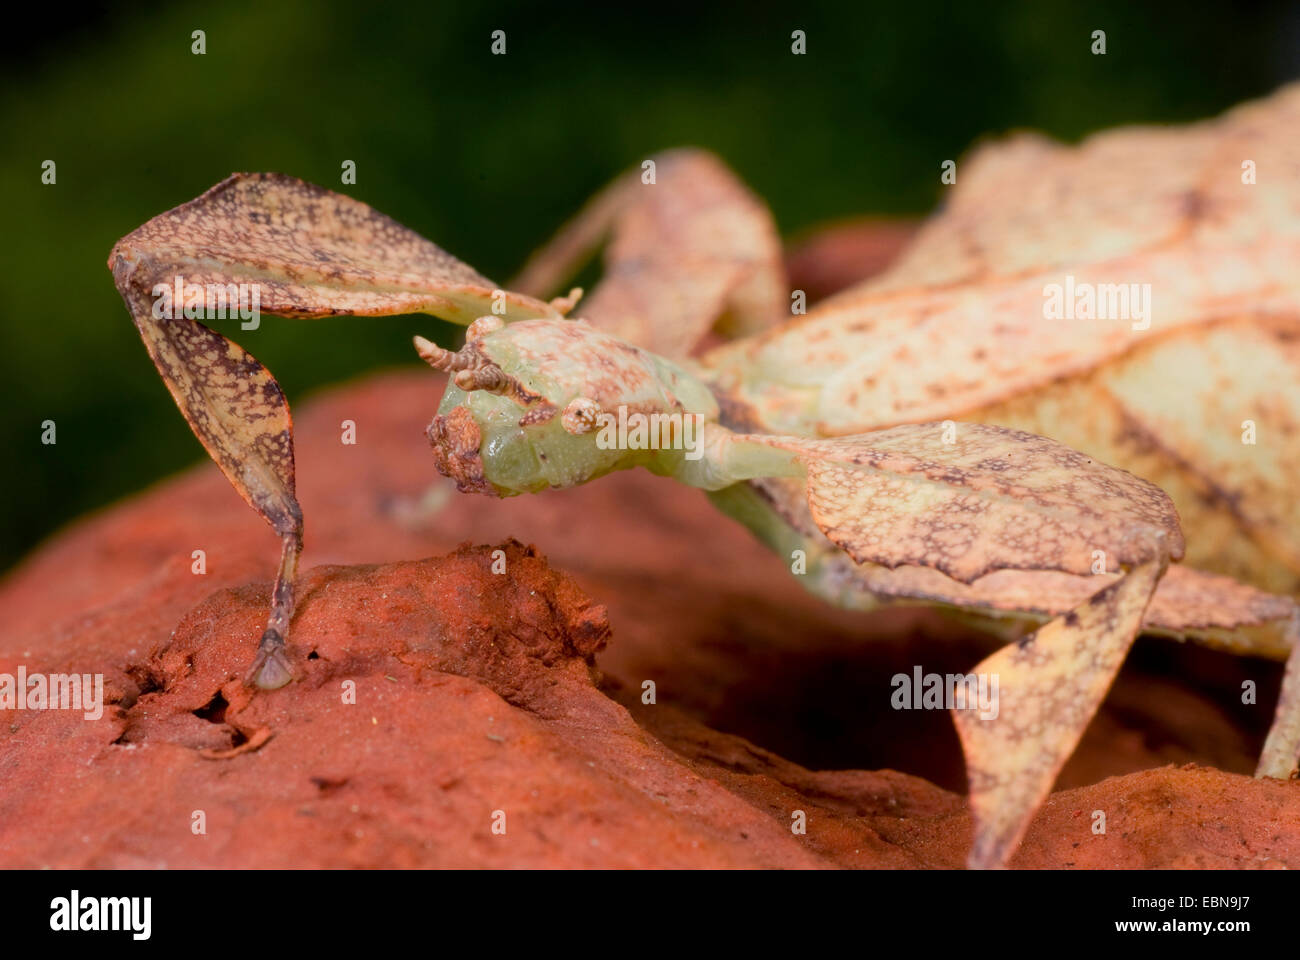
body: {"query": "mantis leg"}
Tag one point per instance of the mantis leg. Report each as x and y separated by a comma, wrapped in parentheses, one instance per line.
(1049, 687)
(1052, 682)
(300, 251)
(237, 410)
(995, 501)
(1281, 752)
(691, 251)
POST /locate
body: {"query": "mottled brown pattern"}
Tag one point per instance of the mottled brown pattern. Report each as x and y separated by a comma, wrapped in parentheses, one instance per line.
(694, 248)
(1215, 379)
(962, 310)
(231, 401)
(313, 252)
(994, 499)
(1188, 604)
(1049, 687)
(455, 439)
(1118, 415)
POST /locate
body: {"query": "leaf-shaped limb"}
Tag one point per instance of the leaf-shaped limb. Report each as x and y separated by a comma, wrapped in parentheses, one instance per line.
(978, 500)
(691, 249)
(313, 253)
(992, 499)
(308, 252)
(1049, 687)
(1189, 604)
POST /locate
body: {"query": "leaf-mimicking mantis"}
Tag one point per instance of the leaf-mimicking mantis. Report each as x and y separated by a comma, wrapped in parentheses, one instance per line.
(897, 435)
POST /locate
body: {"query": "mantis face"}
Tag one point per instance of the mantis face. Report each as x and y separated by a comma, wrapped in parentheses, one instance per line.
(538, 403)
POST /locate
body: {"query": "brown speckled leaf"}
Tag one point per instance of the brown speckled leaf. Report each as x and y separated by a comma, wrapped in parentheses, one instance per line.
(692, 247)
(993, 499)
(1049, 686)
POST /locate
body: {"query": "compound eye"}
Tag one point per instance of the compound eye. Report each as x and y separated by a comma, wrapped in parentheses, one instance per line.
(580, 416)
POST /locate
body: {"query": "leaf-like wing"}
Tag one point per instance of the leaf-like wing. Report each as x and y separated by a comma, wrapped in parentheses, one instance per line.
(1224, 401)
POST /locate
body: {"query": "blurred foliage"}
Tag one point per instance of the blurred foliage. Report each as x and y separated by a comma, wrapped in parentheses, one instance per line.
(486, 155)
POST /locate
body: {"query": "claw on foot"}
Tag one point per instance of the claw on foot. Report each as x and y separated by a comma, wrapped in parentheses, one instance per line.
(270, 669)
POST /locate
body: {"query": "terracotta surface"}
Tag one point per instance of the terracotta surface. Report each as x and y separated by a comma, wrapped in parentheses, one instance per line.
(479, 692)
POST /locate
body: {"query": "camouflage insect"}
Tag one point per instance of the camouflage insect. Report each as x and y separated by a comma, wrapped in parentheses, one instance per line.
(835, 433)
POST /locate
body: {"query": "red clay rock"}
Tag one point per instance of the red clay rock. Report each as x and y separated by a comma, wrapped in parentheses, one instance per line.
(473, 693)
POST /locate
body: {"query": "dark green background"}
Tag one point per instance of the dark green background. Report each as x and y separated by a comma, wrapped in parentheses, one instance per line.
(486, 155)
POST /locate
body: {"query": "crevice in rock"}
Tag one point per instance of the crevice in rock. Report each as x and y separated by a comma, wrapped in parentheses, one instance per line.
(215, 710)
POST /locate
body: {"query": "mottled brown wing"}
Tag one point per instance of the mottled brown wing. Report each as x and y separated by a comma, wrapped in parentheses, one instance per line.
(1224, 402)
(693, 248)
